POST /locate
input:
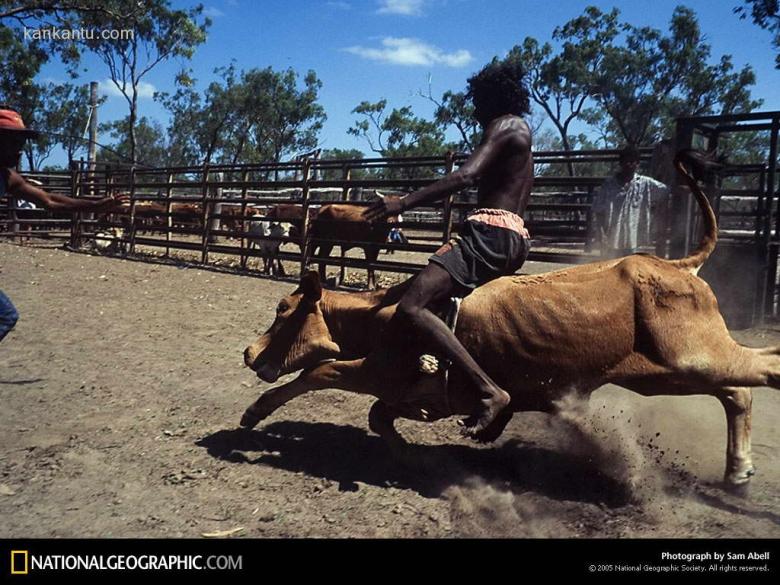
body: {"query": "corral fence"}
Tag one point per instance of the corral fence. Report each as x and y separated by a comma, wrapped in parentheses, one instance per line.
(208, 211)
(743, 271)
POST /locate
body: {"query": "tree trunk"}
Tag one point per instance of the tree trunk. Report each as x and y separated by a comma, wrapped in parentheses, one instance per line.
(133, 116)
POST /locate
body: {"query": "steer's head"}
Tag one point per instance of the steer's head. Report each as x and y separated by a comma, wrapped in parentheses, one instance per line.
(298, 338)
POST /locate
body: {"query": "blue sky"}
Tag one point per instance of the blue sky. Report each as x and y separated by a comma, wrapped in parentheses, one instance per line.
(372, 49)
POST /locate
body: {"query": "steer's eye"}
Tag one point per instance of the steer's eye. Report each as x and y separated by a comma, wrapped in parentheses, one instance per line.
(282, 308)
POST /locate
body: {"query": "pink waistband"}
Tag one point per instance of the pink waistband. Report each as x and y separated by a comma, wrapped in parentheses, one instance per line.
(500, 218)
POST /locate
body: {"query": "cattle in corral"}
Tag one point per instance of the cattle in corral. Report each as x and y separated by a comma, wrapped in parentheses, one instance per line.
(149, 215)
(109, 241)
(262, 233)
(641, 322)
(345, 223)
(187, 215)
(291, 213)
(233, 217)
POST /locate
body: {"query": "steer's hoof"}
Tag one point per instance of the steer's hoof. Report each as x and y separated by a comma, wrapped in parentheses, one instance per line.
(738, 483)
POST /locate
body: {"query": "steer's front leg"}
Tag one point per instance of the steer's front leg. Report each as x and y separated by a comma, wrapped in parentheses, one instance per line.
(331, 375)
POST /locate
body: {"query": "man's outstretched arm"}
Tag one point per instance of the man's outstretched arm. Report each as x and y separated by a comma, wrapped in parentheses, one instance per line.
(18, 187)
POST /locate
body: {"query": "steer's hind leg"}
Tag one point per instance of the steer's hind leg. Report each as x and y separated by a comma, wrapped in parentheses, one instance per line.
(738, 405)
(737, 402)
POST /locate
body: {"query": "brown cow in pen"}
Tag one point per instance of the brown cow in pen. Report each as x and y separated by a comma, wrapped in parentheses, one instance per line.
(641, 322)
(346, 223)
(148, 215)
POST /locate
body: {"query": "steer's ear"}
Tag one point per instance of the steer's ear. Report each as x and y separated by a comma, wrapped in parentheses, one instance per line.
(311, 286)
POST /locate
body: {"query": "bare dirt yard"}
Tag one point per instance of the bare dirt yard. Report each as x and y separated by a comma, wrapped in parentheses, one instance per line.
(122, 386)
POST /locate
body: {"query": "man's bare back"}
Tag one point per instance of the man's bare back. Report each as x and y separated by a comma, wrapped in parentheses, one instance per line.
(507, 183)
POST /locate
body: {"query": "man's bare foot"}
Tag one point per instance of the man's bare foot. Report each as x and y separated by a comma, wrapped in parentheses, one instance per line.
(475, 425)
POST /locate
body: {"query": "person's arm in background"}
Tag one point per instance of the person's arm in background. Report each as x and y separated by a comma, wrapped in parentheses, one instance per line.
(19, 187)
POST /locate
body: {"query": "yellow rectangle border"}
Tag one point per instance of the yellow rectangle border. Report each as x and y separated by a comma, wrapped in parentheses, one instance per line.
(26, 562)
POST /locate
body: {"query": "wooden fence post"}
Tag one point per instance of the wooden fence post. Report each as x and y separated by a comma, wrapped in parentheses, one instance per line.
(306, 251)
(244, 191)
(132, 211)
(204, 256)
(168, 218)
(215, 208)
(75, 224)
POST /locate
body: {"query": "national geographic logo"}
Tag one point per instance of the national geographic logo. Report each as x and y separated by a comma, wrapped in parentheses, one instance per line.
(20, 562)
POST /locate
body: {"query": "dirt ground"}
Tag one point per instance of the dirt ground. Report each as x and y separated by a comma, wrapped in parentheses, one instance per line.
(122, 387)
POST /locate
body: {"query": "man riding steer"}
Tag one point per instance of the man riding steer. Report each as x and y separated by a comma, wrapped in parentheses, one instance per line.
(493, 241)
(644, 323)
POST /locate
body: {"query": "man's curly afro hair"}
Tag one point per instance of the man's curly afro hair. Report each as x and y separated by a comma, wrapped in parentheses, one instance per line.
(500, 88)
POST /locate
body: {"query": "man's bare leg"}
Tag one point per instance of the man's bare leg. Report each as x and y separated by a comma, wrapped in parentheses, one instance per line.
(434, 283)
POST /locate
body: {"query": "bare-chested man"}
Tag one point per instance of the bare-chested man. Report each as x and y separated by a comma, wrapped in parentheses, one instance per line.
(13, 135)
(493, 241)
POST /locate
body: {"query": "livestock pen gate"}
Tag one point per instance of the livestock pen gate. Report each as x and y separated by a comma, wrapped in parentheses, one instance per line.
(743, 271)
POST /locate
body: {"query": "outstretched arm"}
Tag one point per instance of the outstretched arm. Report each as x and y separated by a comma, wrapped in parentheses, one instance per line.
(21, 188)
(498, 138)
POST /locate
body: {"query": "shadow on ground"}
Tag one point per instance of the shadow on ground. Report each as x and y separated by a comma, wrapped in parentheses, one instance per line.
(348, 455)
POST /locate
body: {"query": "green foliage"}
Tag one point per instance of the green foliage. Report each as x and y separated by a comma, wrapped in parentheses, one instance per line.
(341, 154)
(58, 111)
(766, 14)
(642, 79)
(159, 33)
(259, 115)
(59, 14)
(21, 63)
(150, 140)
(61, 117)
(399, 133)
(455, 109)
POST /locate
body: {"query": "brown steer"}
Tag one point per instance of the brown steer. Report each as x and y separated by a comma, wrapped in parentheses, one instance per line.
(641, 322)
(345, 223)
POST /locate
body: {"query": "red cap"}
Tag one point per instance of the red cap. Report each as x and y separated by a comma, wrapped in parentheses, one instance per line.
(11, 121)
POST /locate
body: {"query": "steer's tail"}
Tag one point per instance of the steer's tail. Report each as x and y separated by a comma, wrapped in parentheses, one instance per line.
(700, 165)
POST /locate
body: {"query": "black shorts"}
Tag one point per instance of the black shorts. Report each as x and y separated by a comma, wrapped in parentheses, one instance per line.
(482, 253)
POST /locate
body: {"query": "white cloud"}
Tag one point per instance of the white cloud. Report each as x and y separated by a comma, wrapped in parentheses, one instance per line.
(213, 12)
(405, 7)
(145, 90)
(411, 52)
